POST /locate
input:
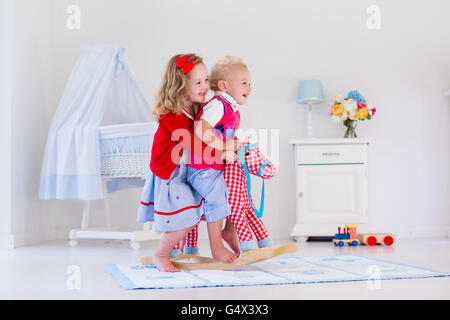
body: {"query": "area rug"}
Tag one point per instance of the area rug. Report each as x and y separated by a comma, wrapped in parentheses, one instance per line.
(275, 271)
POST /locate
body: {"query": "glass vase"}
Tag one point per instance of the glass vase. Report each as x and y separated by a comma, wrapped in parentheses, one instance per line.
(350, 124)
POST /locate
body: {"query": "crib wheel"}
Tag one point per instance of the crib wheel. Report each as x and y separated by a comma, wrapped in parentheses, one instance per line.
(73, 243)
(135, 245)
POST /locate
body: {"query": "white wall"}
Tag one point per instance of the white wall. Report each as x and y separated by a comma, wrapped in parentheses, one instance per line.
(403, 68)
(6, 29)
(28, 220)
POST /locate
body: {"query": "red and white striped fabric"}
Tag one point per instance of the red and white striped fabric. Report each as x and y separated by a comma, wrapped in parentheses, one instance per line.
(242, 216)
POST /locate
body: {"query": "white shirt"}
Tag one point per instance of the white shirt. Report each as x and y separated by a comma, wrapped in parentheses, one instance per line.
(213, 110)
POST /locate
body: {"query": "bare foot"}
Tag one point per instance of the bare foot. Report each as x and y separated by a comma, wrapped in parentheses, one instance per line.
(230, 237)
(222, 254)
(218, 250)
(163, 264)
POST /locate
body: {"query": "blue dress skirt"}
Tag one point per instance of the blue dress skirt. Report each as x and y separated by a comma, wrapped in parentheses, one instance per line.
(172, 204)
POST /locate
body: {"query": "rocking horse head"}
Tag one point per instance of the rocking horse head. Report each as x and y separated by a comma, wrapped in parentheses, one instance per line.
(256, 163)
(252, 161)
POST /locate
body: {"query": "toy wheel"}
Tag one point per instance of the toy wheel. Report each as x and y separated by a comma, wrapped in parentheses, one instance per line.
(354, 243)
(72, 243)
(135, 245)
(371, 241)
(388, 240)
(341, 243)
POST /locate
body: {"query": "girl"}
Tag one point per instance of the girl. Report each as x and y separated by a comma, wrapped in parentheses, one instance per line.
(167, 198)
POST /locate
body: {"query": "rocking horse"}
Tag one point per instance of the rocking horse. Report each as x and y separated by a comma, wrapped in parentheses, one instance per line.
(244, 216)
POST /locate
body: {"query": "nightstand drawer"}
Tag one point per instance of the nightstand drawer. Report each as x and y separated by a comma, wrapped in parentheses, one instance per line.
(330, 154)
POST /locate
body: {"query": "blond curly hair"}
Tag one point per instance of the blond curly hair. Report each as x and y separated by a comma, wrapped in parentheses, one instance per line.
(222, 68)
(172, 95)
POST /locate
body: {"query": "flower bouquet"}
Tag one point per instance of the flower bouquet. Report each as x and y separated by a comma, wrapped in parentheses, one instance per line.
(350, 109)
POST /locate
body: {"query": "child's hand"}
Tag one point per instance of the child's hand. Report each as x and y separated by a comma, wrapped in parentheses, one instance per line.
(231, 145)
(229, 156)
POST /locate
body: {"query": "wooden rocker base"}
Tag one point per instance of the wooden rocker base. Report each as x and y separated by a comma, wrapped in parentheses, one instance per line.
(205, 263)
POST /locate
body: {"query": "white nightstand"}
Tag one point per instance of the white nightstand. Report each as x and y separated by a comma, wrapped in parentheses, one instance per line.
(331, 185)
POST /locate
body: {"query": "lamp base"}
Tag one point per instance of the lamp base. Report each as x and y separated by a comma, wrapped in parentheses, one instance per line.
(309, 125)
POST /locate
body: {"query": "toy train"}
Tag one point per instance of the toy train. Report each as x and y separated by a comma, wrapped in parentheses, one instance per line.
(350, 237)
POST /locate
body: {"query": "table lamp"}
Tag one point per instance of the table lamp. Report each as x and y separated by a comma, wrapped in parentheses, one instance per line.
(310, 92)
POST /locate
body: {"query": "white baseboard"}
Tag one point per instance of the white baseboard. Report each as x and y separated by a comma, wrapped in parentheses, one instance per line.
(6, 241)
(425, 232)
(11, 241)
(62, 233)
(304, 230)
(26, 239)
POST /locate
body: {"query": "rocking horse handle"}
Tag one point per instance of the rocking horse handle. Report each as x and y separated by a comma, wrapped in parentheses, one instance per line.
(241, 154)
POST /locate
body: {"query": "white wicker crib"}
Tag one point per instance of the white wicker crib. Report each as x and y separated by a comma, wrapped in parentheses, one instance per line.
(124, 153)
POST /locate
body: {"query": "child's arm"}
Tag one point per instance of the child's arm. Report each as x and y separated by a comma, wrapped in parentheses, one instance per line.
(182, 133)
(202, 130)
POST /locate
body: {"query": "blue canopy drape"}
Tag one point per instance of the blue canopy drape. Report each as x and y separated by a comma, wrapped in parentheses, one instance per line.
(101, 90)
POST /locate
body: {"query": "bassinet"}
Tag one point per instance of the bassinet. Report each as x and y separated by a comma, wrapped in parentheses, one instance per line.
(125, 149)
(101, 135)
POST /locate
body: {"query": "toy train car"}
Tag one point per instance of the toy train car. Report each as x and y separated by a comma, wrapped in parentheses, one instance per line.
(348, 236)
(372, 239)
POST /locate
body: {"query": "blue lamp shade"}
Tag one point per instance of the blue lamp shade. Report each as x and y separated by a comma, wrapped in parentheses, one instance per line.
(310, 90)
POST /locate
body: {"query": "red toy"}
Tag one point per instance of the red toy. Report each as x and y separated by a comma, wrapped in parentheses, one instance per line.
(376, 238)
(350, 237)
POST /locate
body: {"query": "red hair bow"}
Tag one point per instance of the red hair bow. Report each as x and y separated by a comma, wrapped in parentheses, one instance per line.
(187, 65)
